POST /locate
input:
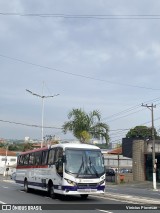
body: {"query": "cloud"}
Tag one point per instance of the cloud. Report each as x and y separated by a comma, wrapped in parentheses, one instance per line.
(118, 51)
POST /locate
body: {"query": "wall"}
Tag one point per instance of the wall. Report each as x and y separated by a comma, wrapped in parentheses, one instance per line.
(124, 178)
(138, 160)
(10, 163)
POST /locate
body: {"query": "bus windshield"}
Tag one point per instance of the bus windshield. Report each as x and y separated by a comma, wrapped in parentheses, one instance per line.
(84, 162)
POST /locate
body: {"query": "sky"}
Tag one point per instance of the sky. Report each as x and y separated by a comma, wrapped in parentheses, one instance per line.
(97, 55)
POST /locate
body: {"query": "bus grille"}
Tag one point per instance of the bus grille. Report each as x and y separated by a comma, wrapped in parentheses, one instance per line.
(86, 185)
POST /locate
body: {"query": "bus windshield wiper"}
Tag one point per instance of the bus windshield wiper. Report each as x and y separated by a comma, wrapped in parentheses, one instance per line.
(93, 167)
(82, 165)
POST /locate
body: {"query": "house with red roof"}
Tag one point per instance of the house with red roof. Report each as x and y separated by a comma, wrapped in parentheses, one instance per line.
(114, 159)
(8, 161)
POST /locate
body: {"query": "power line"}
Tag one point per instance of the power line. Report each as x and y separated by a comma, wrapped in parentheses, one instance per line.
(125, 115)
(29, 125)
(121, 112)
(121, 131)
(85, 16)
(77, 75)
(39, 126)
(113, 135)
(114, 130)
(130, 109)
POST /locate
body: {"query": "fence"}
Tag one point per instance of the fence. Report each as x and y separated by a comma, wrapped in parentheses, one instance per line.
(116, 161)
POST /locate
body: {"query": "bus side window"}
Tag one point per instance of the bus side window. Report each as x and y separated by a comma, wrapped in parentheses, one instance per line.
(38, 158)
(31, 159)
(21, 160)
(44, 157)
(59, 161)
(51, 156)
(59, 154)
(18, 160)
(26, 159)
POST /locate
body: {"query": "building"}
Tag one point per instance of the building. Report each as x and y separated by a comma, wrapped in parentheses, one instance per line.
(8, 161)
(141, 153)
(27, 139)
(115, 159)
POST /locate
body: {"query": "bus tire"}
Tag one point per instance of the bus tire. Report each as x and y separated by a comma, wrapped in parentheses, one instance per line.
(84, 197)
(52, 194)
(26, 189)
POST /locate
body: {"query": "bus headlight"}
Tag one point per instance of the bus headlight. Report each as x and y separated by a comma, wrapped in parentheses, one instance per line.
(70, 182)
(101, 182)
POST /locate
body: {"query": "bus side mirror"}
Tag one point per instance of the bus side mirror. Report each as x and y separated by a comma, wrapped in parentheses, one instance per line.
(59, 163)
(64, 159)
(59, 166)
(103, 159)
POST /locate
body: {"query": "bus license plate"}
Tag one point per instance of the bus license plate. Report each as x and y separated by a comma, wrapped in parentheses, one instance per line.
(86, 190)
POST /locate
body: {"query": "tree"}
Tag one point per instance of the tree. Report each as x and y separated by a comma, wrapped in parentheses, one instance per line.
(13, 147)
(142, 132)
(27, 146)
(84, 126)
(1, 145)
(85, 136)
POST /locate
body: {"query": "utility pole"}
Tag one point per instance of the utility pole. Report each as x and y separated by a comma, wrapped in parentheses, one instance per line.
(150, 107)
(118, 181)
(5, 166)
(42, 97)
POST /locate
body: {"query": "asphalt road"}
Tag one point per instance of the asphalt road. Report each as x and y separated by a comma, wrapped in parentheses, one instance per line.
(11, 193)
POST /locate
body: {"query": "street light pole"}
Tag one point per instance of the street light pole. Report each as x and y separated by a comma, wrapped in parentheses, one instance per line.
(42, 97)
(42, 115)
(42, 121)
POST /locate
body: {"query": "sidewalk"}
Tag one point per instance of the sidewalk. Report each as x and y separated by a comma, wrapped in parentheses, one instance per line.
(132, 199)
(138, 199)
(7, 177)
(136, 184)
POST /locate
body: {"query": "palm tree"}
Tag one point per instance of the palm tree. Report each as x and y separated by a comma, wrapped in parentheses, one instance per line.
(84, 126)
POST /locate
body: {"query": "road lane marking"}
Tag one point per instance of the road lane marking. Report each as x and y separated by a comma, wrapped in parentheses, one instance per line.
(21, 191)
(5, 187)
(2, 202)
(103, 211)
(9, 181)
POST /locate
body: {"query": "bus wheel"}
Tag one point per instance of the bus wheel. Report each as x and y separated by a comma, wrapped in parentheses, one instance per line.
(51, 192)
(26, 189)
(84, 197)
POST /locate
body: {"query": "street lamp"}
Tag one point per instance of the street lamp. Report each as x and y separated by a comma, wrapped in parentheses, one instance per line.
(42, 97)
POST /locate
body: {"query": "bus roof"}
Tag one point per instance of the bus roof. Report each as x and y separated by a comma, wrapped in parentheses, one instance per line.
(75, 145)
(64, 145)
(34, 150)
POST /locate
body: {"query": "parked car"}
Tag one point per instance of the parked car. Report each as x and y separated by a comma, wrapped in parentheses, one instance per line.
(125, 171)
(110, 172)
(13, 176)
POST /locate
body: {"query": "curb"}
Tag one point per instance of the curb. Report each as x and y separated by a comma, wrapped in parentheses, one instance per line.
(138, 200)
(10, 181)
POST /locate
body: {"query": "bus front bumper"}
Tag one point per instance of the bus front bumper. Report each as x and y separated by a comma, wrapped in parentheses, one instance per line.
(73, 190)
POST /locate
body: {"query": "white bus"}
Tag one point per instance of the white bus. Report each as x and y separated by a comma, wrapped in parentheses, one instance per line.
(66, 169)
